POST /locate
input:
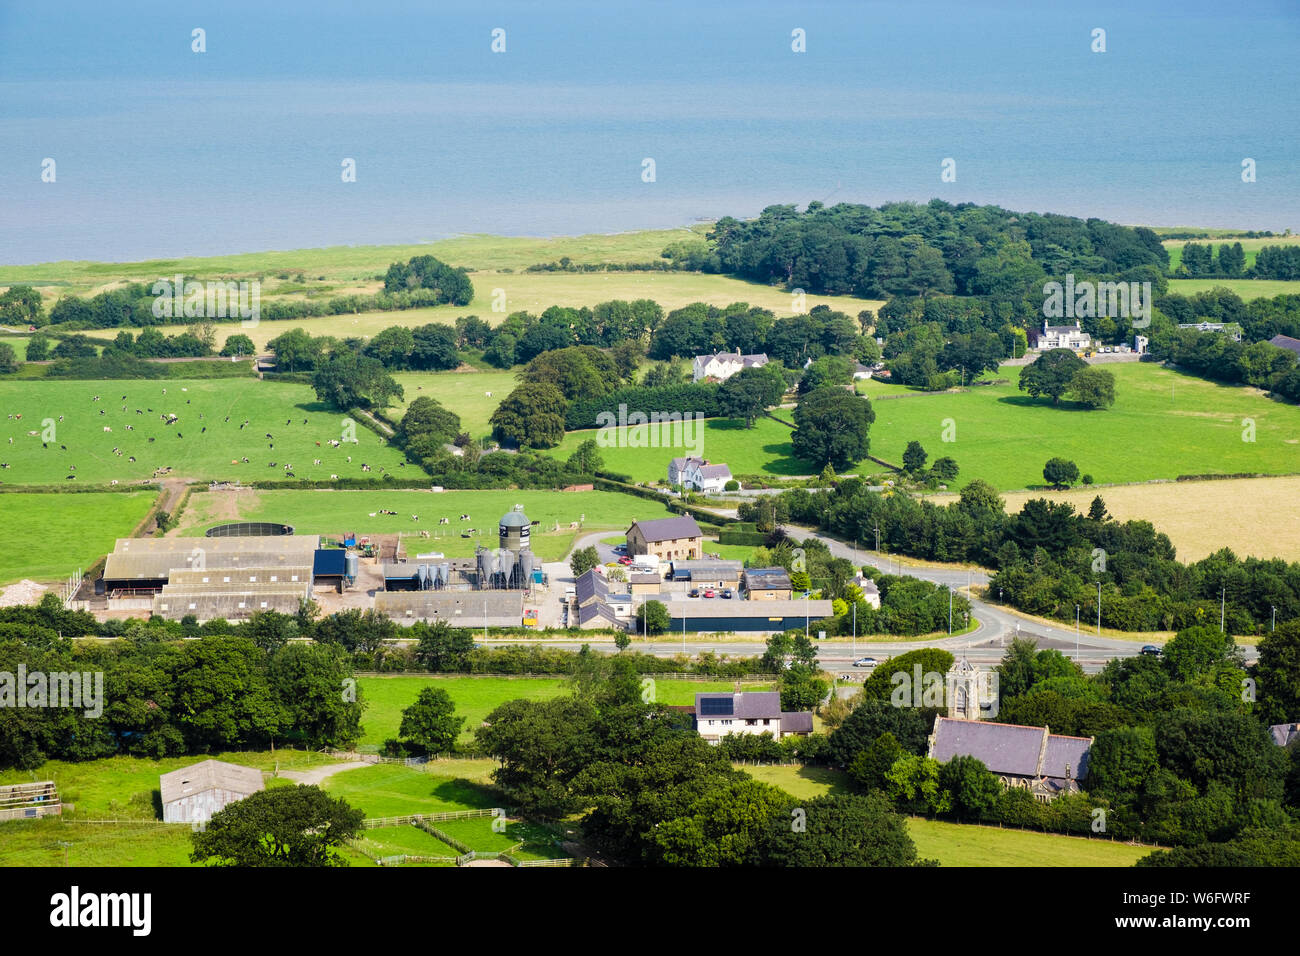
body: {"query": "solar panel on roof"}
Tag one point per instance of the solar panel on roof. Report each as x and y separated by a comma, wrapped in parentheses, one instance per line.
(716, 706)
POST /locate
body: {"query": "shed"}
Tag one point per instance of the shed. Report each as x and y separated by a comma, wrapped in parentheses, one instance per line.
(193, 794)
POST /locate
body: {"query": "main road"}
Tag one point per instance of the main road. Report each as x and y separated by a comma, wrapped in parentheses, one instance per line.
(985, 645)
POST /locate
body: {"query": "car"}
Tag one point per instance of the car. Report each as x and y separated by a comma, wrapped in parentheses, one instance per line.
(865, 662)
(695, 592)
(709, 593)
(625, 560)
(620, 549)
(1150, 650)
(726, 593)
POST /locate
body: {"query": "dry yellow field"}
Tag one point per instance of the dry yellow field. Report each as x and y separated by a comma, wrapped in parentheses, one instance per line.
(1252, 516)
(537, 291)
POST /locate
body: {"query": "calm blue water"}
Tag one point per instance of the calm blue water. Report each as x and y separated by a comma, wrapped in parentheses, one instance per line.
(163, 152)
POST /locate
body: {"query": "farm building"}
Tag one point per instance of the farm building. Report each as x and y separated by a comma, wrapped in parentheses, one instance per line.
(645, 583)
(26, 801)
(718, 615)
(767, 584)
(146, 564)
(666, 538)
(193, 794)
(457, 608)
(708, 574)
(229, 603)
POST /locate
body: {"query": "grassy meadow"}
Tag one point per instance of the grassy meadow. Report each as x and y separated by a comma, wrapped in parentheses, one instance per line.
(476, 697)
(332, 512)
(1163, 424)
(60, 533)
(1250, 247)
(1246, 289)
(465, 393)
(79, 422)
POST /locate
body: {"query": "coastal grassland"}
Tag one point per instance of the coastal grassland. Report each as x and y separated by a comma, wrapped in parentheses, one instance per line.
(1246, 289)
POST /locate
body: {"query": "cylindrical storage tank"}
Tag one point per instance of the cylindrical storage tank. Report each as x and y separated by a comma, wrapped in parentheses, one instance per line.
(351, 565)
(444, 574)
(513, 533)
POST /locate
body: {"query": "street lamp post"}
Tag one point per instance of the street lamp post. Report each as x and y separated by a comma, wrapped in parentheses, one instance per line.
(1099, 609)
(1076, 633)
(1223, 608)
(855, 629)
(950, 610)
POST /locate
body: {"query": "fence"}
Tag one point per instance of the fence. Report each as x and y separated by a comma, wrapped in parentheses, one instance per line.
(415, 819)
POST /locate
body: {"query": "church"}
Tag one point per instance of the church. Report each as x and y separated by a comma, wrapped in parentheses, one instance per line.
(1032, 758)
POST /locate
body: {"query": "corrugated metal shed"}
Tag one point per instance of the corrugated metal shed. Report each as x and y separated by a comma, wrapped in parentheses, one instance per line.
(151, 559)
(218, 578)
(458, 608)
(224, 604)
(196, 792)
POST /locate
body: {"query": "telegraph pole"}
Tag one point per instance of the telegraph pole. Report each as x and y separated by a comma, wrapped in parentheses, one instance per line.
(1076, 633)
(1099, 609)
(1223, 608)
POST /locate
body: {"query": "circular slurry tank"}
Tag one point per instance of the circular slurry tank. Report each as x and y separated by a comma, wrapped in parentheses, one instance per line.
(249, 529)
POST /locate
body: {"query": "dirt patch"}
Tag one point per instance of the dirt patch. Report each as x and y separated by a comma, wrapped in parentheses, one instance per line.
(24, 592)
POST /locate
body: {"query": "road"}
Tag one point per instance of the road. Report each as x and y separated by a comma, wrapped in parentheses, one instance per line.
(985, 645)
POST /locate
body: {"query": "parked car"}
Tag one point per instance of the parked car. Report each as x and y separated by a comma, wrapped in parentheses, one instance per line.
(1150, 650)
(695, 592)
(865, 662)
(625, 560)
(620, 549)
(710, 593)
(726, 592)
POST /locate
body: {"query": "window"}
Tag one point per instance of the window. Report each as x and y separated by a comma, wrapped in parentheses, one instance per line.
(226, 579)
(252, 579)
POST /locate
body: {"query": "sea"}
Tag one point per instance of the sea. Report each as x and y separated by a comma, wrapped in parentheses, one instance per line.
(334, 123)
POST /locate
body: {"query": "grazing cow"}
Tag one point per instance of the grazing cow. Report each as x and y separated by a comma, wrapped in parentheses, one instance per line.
(464, 517)
(69, 477)
(444, 521)
(131, 459)
(108, 428)
(334, 477)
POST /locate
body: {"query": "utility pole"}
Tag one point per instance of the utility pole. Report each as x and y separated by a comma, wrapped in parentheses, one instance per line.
(949, 610)
(1223, 608)
(855, 629)
(1273, 626)
(1099, 609)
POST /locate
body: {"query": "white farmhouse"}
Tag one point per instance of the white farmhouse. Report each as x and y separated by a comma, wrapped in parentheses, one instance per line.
(1064, 337)
(696, 474)
(720, 367)
(752, 712)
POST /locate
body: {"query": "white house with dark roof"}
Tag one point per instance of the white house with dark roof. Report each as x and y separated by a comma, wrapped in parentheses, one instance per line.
(723, 365)
(1064, 337)
(748, 712)
(1033, 758)
(696, 474)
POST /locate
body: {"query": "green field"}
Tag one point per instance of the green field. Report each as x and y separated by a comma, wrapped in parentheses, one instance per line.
(73, 531)
(198, 454)
(961, 844)
(442, 786)
(1246, 289)
(765, 448)
(1163, 424)
(333, 512)
(476, 697)
(1250, 247)
(465, 393)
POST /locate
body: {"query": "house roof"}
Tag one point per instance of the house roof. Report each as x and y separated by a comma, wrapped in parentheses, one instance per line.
(209, 775)
(1011, 748)
(1284, 734)
(747, 705)
(707, 569)
(767, 578)
(597, 610)
(590, 585)
(715, 607)
(649, 578)
(1286, 342)
(797, 722)
(715, 471)
(667, 529)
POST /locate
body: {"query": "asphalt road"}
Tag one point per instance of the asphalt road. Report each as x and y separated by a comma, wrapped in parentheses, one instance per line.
(985, 645)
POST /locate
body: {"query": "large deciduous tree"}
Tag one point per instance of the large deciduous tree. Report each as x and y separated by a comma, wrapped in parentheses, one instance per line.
(1051, 374)
(832, 427)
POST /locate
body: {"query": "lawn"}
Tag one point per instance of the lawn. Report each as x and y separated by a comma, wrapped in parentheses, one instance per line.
(476, 697)
(65, 531)
(763, 449)
(1250, 247)
(1163, 424)
(194, 447)
(332, 512)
